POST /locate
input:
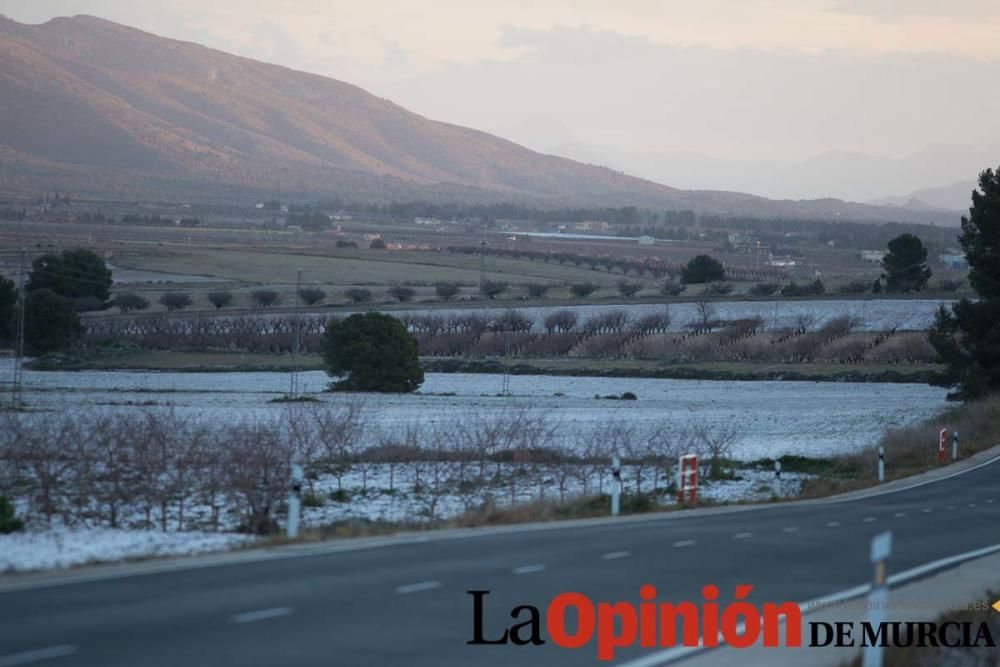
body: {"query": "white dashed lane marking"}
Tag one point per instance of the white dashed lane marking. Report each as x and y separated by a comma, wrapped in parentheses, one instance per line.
(261, 615)
(685, 543)
(899, 515)
(416, 588)
(833, 524)
(528, 569)
(790, 529)
(742, 536)
(869, 519)
(37, 655)
(615, 555)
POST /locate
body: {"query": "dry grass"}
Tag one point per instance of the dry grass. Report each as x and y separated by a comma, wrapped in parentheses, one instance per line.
(913, 449)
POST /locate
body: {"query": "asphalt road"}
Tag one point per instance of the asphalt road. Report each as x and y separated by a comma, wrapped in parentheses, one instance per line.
(404, 602)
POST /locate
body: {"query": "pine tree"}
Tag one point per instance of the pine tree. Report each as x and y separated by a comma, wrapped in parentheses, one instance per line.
(967, 337)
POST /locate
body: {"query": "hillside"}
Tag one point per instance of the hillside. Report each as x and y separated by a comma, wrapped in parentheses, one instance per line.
(99, 109)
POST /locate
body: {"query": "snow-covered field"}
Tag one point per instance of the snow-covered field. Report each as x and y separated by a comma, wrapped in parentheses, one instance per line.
(772, 418)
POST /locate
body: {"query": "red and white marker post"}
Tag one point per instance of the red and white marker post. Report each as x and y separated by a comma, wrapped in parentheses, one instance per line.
(687, 484)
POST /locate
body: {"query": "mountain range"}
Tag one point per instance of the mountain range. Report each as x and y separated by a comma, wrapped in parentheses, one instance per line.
(935, 177)
(94, 108)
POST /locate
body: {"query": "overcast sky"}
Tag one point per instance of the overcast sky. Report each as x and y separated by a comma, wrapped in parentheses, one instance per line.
(748, 79)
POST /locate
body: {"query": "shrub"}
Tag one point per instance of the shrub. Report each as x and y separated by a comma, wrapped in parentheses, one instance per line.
(582, 290)
(853, 287)
(950, 284)
(311, 295)
(764, 289)
(446, 291)
(719, 289)
(175, 300)
(402, 293)
(377, 244)
(671, 287)
(8, 522)
(340, 496)
(128, 302)
(628, 288)
(537, 290)
(492, 288)
(703, 269)
(794, 289)
(358, 295)
(220, 298)
(88, 303)
(343, 243)
(310, 499)
(262, 298)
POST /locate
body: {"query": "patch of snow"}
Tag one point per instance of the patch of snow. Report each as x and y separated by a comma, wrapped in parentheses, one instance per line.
(62, 547)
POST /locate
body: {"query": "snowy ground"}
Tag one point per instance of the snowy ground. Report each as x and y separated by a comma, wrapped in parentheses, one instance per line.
(407, 493)
(61, 547)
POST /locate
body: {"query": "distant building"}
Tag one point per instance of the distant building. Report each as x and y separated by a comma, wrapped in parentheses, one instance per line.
(873, 256)
(954, 262)
(647, 240)
(781, 263)
(434, 222)
(592, 226)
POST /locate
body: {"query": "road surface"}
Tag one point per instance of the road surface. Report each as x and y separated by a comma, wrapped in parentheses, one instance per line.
(403, 601)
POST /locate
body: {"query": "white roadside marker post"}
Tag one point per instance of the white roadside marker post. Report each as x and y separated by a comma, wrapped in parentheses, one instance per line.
(777, 478)
(954, 446)
(881, 464)
(295, 501)
(879, 595)
(616, 485)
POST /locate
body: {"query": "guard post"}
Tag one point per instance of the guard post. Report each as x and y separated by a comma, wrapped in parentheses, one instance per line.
(616, 485)
(295, 501)
(879, 595)
(687, 482)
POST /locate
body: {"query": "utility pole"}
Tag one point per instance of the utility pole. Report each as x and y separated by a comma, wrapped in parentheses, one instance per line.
(506, 361)
(482, 260)
(16, 397)
(293, 384)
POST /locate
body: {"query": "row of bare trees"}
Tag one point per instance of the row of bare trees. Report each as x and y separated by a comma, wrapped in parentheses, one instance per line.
(154, 468)
(606, 334)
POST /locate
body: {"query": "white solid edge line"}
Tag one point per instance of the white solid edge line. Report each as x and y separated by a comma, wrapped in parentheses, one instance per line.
(225, 559)
(810, 606)
(261, 615)
(418, 587)
(37, 655)
(917, 485)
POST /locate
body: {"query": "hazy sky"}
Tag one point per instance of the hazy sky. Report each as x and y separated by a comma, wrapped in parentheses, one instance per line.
(750, 79)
